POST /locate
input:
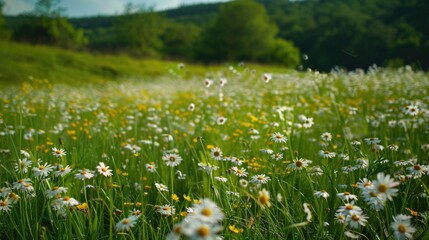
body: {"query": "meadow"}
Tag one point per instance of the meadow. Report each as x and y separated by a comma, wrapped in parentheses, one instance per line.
(237, 153)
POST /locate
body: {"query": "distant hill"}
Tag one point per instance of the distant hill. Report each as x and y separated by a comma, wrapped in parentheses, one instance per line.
(346, 33)
(198, 14)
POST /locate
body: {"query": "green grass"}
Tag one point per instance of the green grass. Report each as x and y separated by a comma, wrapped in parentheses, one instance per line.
(126, 125)
(20, 61)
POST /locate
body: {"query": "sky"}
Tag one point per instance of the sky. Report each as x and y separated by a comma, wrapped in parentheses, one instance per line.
(78, 8)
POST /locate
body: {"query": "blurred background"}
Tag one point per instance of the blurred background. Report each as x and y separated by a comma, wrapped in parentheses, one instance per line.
(316, 34)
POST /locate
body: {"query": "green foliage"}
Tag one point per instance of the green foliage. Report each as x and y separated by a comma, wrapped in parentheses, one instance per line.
(349, 34)
(140, 32)
(179, 39)
(284, 52)
(242, 31)
(4, 33)
(355, 33)
(46, 26)
(48, 8)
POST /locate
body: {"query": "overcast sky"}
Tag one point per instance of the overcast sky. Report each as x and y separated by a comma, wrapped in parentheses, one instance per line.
(77, 8)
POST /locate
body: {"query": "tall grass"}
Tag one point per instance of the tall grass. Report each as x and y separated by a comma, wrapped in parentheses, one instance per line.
(267, 129)
(19, 61)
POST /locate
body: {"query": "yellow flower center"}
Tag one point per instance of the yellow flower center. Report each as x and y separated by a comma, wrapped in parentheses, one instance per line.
(55, 188)
(172, 159)
(104, 169)
(417, 167)
(125, 221)
(355, 217)
(3, 203)
(203, 231)
(206, 212)
(382, 188)
(402, 228)
(263, 199)
(349, 207)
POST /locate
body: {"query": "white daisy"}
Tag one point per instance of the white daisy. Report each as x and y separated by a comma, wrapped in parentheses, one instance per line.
(239, 172)
(243, 183)
(299, 164)
(5, 205)
(208, 82)
(260, 179)
(356, 219)
(278, 138)
(50, 193)
(384, 186)
(22, 165)
(221, 179)
(172, 159)
(321, 193)
(150, 167)
(104, 170)
(326, 136)
(216, 153)
(372, 140)
(402, 227)
(43, 170)
(346, 196)
(267, 77)
(161, 187)
(58, 152)
(84, 174)
(221, 120)
(327, 154)
(166, 210)
(127, 223)
(62, 171)
(69, 201)
(207, 211)
(191, 107)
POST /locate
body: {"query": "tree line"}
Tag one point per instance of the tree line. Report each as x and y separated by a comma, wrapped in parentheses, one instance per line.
(318, 34)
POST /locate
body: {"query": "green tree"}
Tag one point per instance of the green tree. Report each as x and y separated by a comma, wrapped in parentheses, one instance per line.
(283, 52)
(242, 31)
(46, 25)
(140, 31)
(179, 40)
(4, 33)
(48, 8)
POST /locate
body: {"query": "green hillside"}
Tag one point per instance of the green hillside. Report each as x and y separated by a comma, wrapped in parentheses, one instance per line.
(20, 61)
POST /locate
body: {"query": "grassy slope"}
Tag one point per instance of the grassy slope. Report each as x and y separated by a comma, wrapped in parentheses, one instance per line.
(19, 61)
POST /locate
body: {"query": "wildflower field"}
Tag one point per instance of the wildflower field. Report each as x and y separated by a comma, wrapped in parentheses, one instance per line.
(241, 154)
